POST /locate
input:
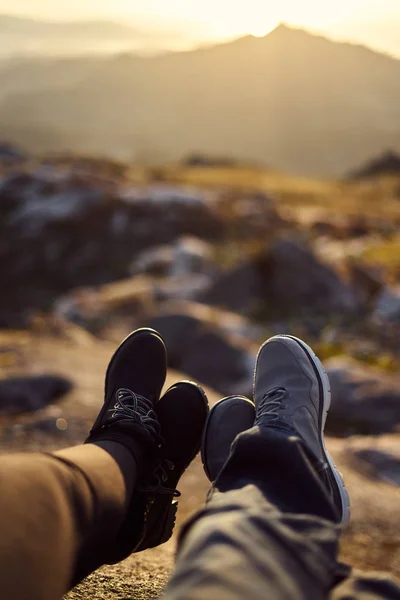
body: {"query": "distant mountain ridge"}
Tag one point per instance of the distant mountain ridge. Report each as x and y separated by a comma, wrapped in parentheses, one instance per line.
(12, 25)
(293, 100)
(29, 37)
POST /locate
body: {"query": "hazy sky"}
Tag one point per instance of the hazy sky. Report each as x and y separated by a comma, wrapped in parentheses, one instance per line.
(374, 22)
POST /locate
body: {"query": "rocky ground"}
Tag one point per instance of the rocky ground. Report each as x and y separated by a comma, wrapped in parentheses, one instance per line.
(372, 540)
(216, 260)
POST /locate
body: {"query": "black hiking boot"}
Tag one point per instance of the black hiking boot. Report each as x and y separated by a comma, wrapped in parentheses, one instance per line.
(228, 417)
(182, 413)
(134, 381)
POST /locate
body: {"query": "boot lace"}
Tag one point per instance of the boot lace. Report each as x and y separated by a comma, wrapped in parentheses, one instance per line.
(133, 407)
(270, 406)
(159, 477)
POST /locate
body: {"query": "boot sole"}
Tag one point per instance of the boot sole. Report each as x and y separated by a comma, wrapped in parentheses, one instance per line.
(324, 380)
(165, 534)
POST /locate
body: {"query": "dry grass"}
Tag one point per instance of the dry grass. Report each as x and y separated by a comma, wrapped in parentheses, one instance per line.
(379, 197)
(385, 253)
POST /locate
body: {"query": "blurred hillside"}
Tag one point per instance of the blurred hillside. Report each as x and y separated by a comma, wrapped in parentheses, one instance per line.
(291, 100)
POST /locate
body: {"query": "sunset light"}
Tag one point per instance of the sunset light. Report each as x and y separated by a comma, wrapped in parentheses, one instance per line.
(370, 22)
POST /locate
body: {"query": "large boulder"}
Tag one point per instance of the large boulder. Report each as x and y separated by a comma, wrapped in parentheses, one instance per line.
(60, 230)
(387, 308)
(364, 400)
(296, 282)
(210, 346)
(286, 279)
(26, 394)
(161, 214)
(387, 163)
(239, 289)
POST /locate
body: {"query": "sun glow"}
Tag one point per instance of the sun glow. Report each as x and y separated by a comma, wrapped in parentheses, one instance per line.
(224, 17)
(373, 22)
(259, 17)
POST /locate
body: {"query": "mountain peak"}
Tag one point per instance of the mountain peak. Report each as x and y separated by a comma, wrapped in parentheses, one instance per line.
(287, 30)
(283, 27)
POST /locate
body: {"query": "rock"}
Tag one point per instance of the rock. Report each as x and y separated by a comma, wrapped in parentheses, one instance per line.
(342, 227)
(364, 401)
(284, 280)
(93, 308)
(11, 155)
(296, 282)
(188, 287)
(60, 231)
(377, 458)
(192, 256)
(369, 280)
(156, 261)
(184, 270)
(38, 203)
(211, 346)
(387, 163)
(238, 289)
(387, 308)
(251, 215)
(162, 213)
(86, 164)
(211, 358)
(186, 256)
(381, 465)
(25, 394)
(204, 160)
(324, 228)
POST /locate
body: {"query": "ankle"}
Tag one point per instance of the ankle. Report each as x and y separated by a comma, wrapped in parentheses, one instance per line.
(129, 462)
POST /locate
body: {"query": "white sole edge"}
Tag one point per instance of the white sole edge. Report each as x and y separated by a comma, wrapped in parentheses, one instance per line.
(344, 495)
